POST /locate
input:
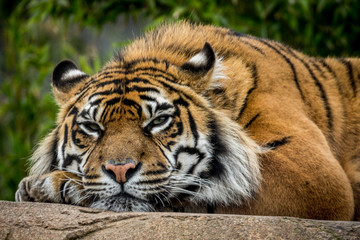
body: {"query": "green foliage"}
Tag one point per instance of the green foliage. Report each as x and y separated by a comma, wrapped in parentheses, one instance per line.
(318, 27)
(35, 35)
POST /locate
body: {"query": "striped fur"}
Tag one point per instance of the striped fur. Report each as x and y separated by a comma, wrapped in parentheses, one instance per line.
(214, 121)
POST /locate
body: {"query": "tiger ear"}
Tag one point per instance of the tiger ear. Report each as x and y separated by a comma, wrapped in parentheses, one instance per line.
(202, 62)
(203, 70)
(66, 79)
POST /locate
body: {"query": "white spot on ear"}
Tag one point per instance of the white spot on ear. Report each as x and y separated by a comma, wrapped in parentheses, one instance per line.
(72, 74)
(199, 59)
(218, 74)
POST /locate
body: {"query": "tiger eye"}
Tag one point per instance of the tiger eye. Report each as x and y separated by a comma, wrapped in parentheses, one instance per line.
(92, 127)
(159, 120)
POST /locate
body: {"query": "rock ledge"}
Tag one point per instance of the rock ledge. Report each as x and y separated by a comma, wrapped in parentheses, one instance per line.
(56, 221)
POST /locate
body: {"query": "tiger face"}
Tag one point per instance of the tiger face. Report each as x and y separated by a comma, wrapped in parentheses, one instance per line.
(143, 137)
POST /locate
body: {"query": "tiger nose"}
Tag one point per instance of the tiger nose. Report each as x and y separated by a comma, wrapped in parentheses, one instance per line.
(120, 170)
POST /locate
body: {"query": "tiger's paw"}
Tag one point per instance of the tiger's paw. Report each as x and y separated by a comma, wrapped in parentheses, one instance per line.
(21, 194)
(55, 187)
(31, 189)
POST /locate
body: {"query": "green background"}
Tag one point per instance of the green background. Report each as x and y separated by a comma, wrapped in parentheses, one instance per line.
(36, 34)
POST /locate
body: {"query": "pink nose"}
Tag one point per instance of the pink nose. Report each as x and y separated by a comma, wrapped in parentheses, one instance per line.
(120, 170)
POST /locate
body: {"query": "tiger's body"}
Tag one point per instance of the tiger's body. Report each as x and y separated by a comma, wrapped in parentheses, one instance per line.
(239, 125)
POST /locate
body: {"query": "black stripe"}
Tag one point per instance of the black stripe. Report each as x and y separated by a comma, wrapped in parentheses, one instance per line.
(219, 91)
(138, 80)
(163, 106)
(149, 110)
(255, 79)
(64, 141)
(339, 87)
(104, 114)
(315, 65)
(167, 159)
(134, 104)
(178, 166)
(85, 114)
(210, 208)
(332, 72)
(329, 69)
(181, 101)
(54, 160)
(135, 70)
(180, 128)
(191, 188)
(87, 159)
(94, 183)
(131, 64)
(242, 35)
(190, 151)
(216, 168)
(253, 47)
(130, 112)
(105, 93)
(90, 86)
(74, 111)
(153, 181)
(320, 87)
(156, 77)
(156, 172)
(66, 190)
(167, 84)
(111, 114)
(171, 143)
(113, 101)
(163, 81)
(69, 160)
(97, 102)
(288, 61)
(251, 121)
(141, 89)
(350, 73)
(193, 128)
(150, 189)
(151, 70)
(91, 176)
(105, 83)
(147, 98)
(62, 191)
(277, 143)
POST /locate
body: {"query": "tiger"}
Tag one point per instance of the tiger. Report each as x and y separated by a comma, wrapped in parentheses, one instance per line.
(204, 119)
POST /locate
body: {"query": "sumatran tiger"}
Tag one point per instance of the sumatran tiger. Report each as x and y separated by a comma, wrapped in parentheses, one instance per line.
(204, 119)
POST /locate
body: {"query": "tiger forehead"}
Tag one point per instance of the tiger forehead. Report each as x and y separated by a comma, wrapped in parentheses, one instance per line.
(145, 71)
(131, 68)
(118, 96)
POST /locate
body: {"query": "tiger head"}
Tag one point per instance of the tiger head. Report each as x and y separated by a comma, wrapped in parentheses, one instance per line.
(144, 136)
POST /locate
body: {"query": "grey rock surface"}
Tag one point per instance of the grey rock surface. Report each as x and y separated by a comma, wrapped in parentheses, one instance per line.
(56, 221)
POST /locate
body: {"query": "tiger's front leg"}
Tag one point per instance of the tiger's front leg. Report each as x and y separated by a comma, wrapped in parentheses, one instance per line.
(55, 187)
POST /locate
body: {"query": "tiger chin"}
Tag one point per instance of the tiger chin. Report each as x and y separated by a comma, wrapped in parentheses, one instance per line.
(203, 119)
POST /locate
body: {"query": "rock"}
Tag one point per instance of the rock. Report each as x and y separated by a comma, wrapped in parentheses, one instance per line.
(56, 221)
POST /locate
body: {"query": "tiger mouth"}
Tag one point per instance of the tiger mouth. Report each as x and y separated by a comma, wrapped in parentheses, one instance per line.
(126, 196)
(123, 202)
